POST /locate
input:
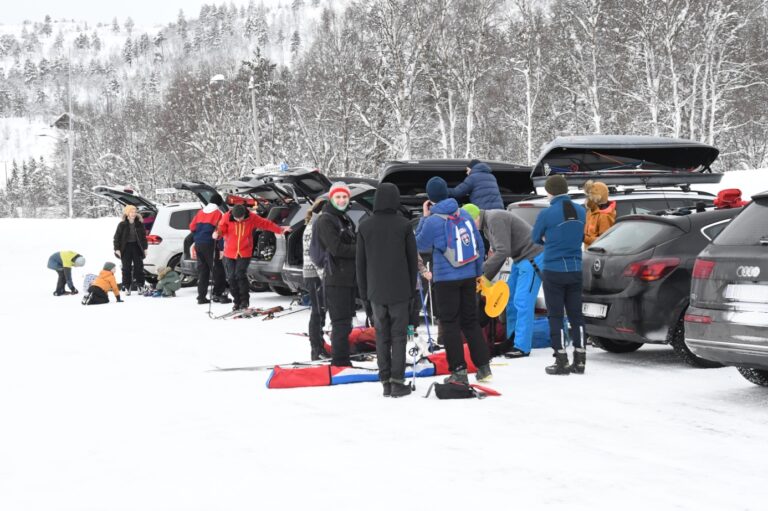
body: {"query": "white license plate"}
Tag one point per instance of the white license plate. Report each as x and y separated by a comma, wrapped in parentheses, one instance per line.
(594, 310)
(754, 293)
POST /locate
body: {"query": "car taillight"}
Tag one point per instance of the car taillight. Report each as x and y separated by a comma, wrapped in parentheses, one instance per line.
(651, 269)
(154, 239)
(703, 269)
(192, 252)
(525, 205)
(696, 318)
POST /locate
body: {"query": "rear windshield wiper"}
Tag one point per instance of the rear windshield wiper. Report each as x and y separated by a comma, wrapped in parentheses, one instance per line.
(596, 249)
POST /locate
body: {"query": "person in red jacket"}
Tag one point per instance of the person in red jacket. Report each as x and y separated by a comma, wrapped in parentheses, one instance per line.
(236, 227)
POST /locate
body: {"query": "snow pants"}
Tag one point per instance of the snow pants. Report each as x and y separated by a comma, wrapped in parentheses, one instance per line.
(237, 271)
(317, 313)
(563, 290)
(132, 262)
(456, 302)
(524, 284)
(209, 265)
(340, 301)
(391, 334)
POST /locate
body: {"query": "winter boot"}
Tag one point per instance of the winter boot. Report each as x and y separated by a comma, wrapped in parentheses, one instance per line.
(561, 364)
(203, 301)
(484, 374)
(516, 353)
(387, 389)
(458, 376)
(579, 361)
(400, 389)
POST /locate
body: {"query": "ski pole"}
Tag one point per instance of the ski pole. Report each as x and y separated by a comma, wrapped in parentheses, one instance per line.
(426, 318)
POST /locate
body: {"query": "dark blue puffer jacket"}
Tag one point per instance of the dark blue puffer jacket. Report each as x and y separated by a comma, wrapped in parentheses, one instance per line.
(430, 237)
(482, 188)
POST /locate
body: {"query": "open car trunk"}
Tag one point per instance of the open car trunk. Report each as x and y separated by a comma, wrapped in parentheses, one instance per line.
(627, 160)
(411, 178)
(128, 197)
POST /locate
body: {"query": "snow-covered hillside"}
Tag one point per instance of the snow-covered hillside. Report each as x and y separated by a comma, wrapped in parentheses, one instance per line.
(113, 407)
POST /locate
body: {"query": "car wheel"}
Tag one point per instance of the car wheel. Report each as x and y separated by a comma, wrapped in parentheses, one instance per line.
(756, 376)
(677, 340)
(258, 287)
(282, 291)
(615, 346)
(186, 280)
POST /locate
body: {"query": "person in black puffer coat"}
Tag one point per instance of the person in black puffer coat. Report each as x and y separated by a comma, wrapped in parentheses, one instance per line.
(336, 235)
(130, 244)
(386, 276)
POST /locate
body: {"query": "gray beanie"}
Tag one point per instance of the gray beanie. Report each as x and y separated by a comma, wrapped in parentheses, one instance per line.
(109, 266)
(78, 260)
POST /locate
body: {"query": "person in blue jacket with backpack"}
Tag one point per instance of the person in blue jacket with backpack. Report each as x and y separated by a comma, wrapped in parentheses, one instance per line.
(481, 186)
(560, 228)
(457, 254)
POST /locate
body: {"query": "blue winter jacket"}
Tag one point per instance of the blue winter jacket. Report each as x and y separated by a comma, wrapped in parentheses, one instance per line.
(482, 188)
(561, 239)
(430, 237)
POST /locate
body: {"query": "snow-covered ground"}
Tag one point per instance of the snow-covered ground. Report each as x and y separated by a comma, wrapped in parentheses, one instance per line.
(113, 408)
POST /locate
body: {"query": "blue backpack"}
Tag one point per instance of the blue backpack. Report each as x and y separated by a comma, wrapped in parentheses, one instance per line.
(461, 244)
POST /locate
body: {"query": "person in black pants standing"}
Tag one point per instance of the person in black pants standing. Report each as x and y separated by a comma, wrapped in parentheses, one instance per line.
(130, 244)
(208, 254)
(386, 272)
(336, 236)
(560, 228)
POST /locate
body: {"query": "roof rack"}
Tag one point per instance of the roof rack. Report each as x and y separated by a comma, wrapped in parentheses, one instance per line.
(646, 178)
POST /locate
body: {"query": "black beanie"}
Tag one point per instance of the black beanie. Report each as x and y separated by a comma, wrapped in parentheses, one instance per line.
(238, 211)
(556, 185)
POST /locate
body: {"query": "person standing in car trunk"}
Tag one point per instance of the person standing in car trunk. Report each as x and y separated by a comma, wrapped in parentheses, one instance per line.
(236, 227)
(387, 267)
(130, 244)
(336, 236)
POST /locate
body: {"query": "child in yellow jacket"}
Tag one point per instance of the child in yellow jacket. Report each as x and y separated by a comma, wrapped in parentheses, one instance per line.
(601, 213)
(97, 293)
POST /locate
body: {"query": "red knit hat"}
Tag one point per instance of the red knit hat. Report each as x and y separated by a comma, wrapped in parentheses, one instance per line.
(338, 186)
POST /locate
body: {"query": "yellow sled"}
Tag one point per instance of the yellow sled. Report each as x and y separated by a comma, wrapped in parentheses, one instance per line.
(496, 297)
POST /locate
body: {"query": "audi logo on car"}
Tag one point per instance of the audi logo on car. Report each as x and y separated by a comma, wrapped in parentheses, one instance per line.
(597, 265)
(748, 271)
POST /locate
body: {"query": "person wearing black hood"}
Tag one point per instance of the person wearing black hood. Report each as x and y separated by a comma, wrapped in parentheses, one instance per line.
(335, 234)
(387, 266)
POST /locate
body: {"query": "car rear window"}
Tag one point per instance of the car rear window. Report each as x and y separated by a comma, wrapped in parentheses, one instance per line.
(748, 228)
(631, 237)
(181, 219)
(527, 214)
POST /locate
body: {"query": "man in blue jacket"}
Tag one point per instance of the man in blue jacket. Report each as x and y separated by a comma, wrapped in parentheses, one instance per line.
(480, 185)
(455, 280)
(560, 228)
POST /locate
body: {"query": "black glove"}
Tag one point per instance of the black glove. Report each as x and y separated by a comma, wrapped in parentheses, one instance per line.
(119, 300)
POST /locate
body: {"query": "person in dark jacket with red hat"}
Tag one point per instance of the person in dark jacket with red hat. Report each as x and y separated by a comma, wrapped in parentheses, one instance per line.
(387, 267)
(236, 227)
(335, 233)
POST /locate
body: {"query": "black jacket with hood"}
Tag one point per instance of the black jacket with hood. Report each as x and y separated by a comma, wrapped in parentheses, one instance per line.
(122, 232)
(336, 234)
(387, 260)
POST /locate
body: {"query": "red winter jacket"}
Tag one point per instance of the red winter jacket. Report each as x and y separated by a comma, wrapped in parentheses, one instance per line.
(238, 236)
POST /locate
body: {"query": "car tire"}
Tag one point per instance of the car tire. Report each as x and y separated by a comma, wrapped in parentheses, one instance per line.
(614, 345)
(756, 376)
(186, 280)
(677, 340)
(282, 291)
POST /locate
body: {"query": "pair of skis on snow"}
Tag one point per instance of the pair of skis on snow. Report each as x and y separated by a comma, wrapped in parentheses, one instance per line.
(357, 357)
(266, 313)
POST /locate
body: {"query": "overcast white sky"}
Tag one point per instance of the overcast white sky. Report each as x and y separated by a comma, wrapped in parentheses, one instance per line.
(142, 11)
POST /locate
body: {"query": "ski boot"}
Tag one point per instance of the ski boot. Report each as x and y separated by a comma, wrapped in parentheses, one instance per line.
(579, 361)
(561, 364)
(457, 376)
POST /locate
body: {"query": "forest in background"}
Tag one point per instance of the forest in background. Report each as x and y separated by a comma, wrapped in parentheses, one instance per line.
(345, 90)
